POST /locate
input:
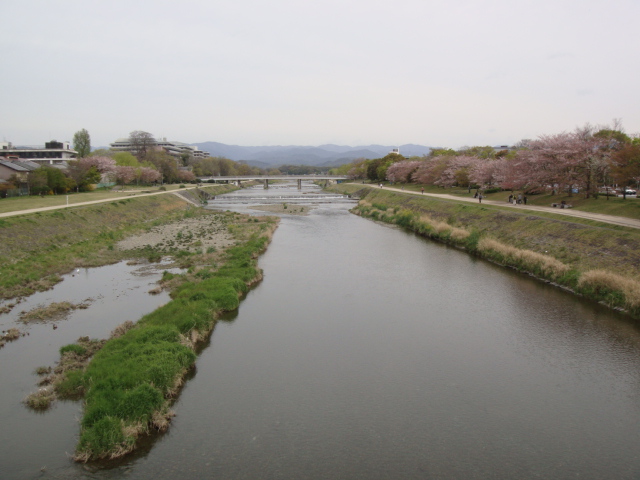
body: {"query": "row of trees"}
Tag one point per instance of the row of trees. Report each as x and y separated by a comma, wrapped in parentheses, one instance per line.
(585, 159)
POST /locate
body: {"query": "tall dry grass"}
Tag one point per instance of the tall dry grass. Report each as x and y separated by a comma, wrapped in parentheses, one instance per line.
(535, 262)
(443, 228)
(602, 281)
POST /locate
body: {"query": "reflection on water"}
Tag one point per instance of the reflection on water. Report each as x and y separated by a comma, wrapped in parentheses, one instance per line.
(367, 352)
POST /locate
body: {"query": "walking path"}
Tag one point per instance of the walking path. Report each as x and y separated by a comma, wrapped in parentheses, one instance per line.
(93, 202)
(612, 219)
(615, 220)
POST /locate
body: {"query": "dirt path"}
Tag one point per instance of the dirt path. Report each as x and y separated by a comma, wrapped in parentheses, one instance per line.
(615, 220)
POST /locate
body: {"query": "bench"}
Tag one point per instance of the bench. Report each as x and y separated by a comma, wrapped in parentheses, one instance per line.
(561, 205)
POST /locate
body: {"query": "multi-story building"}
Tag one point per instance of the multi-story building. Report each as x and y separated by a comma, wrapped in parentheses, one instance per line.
(53, 153)
(173, 148)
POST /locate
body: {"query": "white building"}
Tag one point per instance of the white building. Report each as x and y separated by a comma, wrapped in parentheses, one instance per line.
(53, 153)
(173, 148)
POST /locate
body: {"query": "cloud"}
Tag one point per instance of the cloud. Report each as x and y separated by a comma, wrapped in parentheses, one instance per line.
(247, 71)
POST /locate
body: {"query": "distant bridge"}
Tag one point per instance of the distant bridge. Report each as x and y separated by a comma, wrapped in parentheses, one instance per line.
(238, 179)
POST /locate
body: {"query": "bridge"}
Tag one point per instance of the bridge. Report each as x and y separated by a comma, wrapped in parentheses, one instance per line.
(238, 179)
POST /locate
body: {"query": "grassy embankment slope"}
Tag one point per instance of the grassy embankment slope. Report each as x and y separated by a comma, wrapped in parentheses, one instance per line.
(13, 204)
(597, 260)
(128, 382)
(629, 208)
(36, 249)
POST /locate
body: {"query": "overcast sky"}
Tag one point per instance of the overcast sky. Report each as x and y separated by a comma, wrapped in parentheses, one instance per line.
(291, 72)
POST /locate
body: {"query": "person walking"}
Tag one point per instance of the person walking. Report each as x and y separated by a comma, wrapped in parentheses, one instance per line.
(479, 198)
(422, 190)
(524, 199)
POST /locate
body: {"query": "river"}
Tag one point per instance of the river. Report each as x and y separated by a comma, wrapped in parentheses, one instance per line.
(368, 352)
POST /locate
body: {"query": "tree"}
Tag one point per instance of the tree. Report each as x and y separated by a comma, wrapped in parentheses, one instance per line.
(83, 173)
(125, 174)
(141, 143)
(186, 176)
(49, 179)
(165, 164)
(480, 152)
(244, 169)
(102, 152)
(402, 171)
(37, 180)
(126, 159)
(82, 143)
(626, 166)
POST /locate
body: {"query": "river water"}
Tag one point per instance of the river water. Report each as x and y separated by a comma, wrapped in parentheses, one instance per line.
(368, 352)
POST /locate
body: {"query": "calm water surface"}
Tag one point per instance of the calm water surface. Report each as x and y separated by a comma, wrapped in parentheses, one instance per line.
(370, 353)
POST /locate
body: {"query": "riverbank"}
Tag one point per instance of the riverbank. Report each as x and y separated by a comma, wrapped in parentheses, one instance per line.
(36, 248)
(129, 382)
(597, 260)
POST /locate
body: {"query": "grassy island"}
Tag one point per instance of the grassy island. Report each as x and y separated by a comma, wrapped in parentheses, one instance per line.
(129, 381)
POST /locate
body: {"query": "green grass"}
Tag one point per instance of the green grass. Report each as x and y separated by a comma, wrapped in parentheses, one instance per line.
(36, 249)
(629, 208)
(130, 379)
(74, 348)
(15, 204)
(129, 383)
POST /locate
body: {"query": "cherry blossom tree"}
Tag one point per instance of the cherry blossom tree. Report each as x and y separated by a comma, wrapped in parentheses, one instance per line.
(104, 165)
(430, 170)
(186, 176)
(402, 171)
(125, 174)
(485, 172)
(149, 175)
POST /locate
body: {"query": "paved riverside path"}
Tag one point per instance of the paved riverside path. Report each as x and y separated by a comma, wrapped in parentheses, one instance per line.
(94, 202)
(599, 217)
(615, 220)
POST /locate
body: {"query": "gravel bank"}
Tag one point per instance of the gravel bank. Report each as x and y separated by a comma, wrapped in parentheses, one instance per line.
(193, 234)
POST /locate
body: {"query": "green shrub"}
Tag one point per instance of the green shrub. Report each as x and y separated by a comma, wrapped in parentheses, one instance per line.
(138, 405)
(166, 276)
(72, 385)
(77, 349)
(104, 436)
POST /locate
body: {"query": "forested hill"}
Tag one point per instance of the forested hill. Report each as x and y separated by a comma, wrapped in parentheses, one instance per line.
(321, 156)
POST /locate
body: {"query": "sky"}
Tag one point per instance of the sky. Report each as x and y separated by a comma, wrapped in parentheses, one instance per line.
(441, 73)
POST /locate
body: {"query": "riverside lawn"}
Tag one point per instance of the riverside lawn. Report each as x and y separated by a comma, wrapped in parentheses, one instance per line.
(596, 260)
(129, 383)
(35, 249)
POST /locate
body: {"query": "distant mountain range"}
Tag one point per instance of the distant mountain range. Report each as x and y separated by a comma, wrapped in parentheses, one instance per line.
(322, 156)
